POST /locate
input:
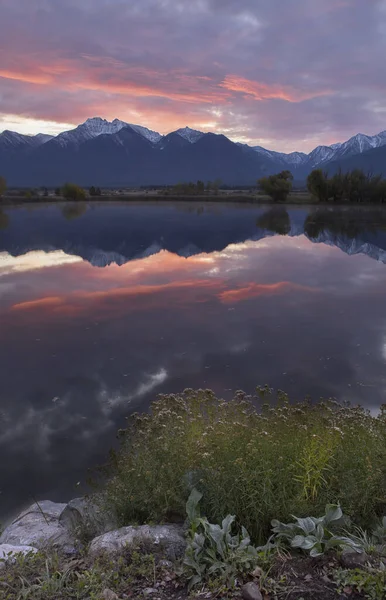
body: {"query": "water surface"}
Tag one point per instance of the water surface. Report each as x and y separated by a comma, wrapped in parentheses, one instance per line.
(102, 307)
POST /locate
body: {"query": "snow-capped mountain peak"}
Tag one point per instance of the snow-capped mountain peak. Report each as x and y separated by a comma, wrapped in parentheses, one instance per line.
(153, 136)
(11, 139)
(191, 135)
(96, 126)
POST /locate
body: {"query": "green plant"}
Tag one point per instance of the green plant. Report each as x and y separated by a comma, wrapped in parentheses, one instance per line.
(314, 535)
(370, 583)
(255, 458)
(213, 552)
(379, 533)
(71, 191)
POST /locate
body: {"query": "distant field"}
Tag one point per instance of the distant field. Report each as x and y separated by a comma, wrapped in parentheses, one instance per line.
(159, 195)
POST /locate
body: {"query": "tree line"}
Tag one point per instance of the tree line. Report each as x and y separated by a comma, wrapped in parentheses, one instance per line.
(353, 187)
(194, 189)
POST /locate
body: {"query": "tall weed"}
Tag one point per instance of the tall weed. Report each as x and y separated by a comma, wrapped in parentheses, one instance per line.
(257, 458)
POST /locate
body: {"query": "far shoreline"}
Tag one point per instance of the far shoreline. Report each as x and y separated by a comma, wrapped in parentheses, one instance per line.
(297, 199)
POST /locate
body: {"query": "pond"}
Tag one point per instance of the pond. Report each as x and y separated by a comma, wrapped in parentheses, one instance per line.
(102, 307)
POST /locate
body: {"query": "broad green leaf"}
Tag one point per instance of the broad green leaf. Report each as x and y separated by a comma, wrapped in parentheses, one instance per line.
(298, 541)
(192, 505)
(227, 524)
(215, 532)
(316, 551)
(333, 513)
(307, 525)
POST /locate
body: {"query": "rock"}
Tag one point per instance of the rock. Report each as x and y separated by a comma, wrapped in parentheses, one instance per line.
(38, 526)
(168, 538)
(109, 595)
(165, 564)
(250, 591)
(85, 518)
(8, 553)
(353, 560)
(149, 591)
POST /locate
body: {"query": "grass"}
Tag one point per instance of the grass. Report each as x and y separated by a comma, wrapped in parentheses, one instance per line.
(258, 459)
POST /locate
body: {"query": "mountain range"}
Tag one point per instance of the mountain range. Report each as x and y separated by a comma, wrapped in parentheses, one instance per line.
(117, 154)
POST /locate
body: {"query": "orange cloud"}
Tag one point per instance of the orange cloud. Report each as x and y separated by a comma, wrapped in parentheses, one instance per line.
(119, 301)
(27, 77)
(259, 289)
(263, 91)
(104, 74)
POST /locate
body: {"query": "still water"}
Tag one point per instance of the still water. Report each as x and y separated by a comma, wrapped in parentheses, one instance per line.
(103, 307)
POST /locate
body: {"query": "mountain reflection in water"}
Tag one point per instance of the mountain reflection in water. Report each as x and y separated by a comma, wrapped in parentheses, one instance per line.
(189, 295)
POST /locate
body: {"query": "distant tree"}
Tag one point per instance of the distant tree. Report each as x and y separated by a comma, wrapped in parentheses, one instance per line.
(208, 186)
(71, 191)
(95, 191)
(317, 185)
(45, 192)
(216, 186)
(58, 191)
(278, 187)
(200, 187)
(3, 185)
(336, 186)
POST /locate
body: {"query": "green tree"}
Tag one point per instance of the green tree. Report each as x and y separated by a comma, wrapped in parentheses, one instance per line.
(216, 186)
(317, 185)
(71, 191)
(200, 187)
(278, 186)
(96, 191)
(3, 185)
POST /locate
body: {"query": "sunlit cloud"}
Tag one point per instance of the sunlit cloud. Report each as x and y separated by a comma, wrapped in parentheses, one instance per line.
(269, 74)
(34, 260)
(255, 290)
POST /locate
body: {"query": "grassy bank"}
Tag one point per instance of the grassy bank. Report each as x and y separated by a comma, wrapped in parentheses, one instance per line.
(294, 199)
(249, 465)
(259, 463)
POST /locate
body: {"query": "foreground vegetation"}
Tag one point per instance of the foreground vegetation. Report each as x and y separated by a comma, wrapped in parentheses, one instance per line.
(258, 464)
(249, 465)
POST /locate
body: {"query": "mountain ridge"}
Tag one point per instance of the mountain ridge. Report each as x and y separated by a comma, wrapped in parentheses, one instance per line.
(116, 153)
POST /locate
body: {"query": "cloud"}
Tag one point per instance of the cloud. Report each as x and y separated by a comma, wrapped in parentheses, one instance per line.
(255, 290)
(289, 75)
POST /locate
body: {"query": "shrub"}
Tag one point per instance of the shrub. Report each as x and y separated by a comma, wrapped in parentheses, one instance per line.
(314, 535)
(70, 191)
(277, 186)
(257, 462)
(213, 552)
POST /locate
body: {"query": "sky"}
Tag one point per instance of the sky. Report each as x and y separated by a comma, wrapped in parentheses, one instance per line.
(285, 74)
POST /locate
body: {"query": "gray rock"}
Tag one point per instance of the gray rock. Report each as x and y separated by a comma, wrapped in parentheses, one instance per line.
(8, 552)
(353, 560)
(39, 526)
(109, 595)
(250, 591)
(149, 591)
(168, 538)
(85, 518)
